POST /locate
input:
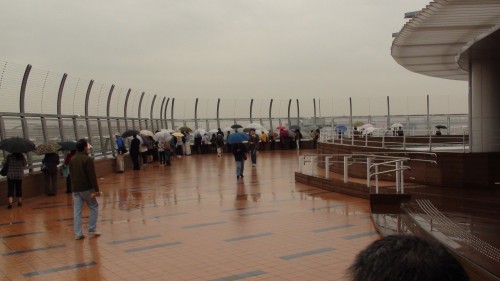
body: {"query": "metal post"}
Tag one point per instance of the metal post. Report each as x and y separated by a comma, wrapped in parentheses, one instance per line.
(59, 98)
(151, 114)
(376, 179)
(346, 169)
(87, 121)
(251, 109)
(402, 179)
(289, 119)
(430, 142)
(398, 176)
(388, 113)
(165, 113)
(196, 114)
(218, 106)
(270, 115)
(368, 168)
(428, 116)
(125, 109)
(139, 110)
(298, 112)
(108, 118)
(172, 113)
(314, 120)
(3, 134)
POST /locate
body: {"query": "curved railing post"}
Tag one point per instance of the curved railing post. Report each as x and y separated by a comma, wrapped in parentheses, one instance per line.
(314, 120)
(125, 109)
(289, 119)
(196, 114)
(251, 110)
(388, 113)
(108, 115)
(218, 120)
(270, 115)
(172, 113)
(151, 113)
(59, 99)
(87, 121)
(162, 121)
(298, 112)
(139, 111)
(165, 113)
(24, 123)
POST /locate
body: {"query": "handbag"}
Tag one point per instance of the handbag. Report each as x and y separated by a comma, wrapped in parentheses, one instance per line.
(44, 167)
(5, 169)
(244, 156)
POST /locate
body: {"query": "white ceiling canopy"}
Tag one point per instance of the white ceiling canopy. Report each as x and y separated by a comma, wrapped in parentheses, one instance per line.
(432, 42)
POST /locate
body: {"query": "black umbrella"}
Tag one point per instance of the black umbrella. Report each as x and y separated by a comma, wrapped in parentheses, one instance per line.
(130, 133)
(441, 127)
(67, 145)
(17, 145)
(236, 126)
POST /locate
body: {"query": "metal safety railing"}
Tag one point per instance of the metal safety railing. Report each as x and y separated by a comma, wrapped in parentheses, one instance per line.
(309, 163)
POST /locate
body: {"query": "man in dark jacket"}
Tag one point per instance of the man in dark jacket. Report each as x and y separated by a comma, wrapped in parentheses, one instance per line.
(134, 152)
(85, 188)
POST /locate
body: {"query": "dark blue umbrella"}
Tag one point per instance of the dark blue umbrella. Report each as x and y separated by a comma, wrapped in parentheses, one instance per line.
(341, 128)
(237, 137)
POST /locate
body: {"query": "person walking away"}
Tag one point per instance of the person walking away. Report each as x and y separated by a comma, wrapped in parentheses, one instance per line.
(135, 151)
(16, 163)
(120, 151)
(143, 149)
(220, 144)
(51, 160)
(263, 141)
(65, 170)
(253, 145)
(239, 153)
(213, 142)
(229, 149)
(85, 189)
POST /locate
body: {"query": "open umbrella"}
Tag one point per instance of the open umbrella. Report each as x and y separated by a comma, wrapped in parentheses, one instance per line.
(295, 127)
(130, 133)
(213, 131)
(228, 129)
(237, 137)
(147, 133)
(17, 145)
(368, 131)
(177, 134)
(365, 126)
(47, 147)
(341, 128)
(397, 125)
(236, 126)
(200, 132)
(254, 126)
(281, 127)
(185, 129)
(441, 127)
(67, 145)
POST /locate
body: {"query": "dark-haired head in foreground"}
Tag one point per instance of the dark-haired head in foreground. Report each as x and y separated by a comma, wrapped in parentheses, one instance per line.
(406, 258)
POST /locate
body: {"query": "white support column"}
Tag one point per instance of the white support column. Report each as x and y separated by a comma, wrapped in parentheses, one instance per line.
(402, 178)
(376, 179)
(398, 174)
(301, 164)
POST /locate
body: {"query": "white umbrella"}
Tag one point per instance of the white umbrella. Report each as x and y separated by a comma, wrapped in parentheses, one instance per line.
(225, 130)
(368, 130)
(200, 131)
(397, 125)
(365, 126)
(255, 126)
(146, 133)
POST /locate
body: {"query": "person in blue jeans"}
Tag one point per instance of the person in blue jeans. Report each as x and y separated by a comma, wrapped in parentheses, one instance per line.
(239, 151)
(85, 189)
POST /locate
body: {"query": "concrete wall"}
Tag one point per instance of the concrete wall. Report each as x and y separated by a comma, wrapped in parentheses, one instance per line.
(33, 182)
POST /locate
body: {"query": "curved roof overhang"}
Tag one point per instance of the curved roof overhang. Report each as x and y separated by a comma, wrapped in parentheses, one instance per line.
(437, 40)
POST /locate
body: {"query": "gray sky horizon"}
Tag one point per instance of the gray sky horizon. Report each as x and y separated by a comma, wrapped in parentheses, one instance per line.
(224, 48)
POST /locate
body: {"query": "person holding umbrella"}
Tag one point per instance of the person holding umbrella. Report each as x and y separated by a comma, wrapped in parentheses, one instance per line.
(16, 163)
(239, 153)
(49, 166)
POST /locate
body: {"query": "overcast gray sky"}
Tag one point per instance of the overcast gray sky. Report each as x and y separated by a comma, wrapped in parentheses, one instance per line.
(222, 48)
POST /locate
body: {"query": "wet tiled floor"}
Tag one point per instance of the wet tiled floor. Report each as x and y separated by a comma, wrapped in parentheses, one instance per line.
(192, 221)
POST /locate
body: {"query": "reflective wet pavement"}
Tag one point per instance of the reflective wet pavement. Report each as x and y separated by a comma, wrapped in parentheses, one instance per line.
(192, 221)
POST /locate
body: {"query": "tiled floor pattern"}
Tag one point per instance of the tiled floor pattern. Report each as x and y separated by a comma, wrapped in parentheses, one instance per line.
(192, 221)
